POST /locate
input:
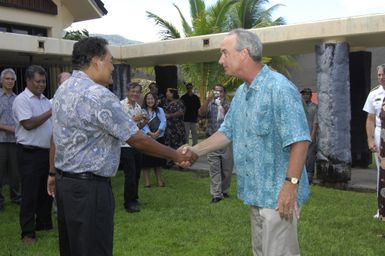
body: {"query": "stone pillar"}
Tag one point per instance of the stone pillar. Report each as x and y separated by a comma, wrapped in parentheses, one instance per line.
(333, 84)
(121, 76)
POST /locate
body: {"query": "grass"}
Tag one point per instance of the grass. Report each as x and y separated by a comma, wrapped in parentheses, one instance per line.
(179, 220)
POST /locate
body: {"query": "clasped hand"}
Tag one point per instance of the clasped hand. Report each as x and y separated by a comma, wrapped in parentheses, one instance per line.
(186, 156)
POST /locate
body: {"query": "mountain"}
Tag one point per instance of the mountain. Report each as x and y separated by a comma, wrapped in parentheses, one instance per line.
(117, 39)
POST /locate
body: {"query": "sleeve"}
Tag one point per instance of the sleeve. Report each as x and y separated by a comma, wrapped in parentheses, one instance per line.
(145, 129)
(289, 115)
(21, 110)
(316, 115)
(103, 110)
(162, 118)
(198, 103)
(369, 107)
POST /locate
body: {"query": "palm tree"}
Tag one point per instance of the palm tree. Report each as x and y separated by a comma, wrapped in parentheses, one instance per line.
(76, 35)
(250, 14)
(222, 16)
(203, 21)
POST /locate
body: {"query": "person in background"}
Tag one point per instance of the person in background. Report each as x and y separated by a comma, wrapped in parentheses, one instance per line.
(130, 158)
(174, 109)
(267, 125)
(161, 99)
(62, 77)
(80, 175)
(221, 160)
(312, 120)
(373, 107)
(32, 114)
(154, 128)
(192, 104)
(8, 150)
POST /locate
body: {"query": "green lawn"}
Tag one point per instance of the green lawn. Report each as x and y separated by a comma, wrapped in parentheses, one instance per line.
(179, 220)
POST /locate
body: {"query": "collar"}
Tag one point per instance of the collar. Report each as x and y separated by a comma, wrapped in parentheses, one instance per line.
(30, 94)
(3, 93)
(126, 102)
(260, 78)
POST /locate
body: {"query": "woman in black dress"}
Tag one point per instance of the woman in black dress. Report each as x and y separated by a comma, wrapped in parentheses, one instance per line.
(175, 131)
(155, 128)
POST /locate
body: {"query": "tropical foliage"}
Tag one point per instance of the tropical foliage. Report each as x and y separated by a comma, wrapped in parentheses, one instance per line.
(222, 16)
(76, 35)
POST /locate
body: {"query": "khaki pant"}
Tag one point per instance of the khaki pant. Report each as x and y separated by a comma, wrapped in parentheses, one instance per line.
(271, 235)
(190, 126)
(221, 170)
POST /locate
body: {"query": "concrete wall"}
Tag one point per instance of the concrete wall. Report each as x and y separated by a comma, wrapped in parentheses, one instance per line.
(305, 74)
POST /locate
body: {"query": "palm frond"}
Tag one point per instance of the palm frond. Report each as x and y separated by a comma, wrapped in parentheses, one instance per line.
(169, 31)
(197, 7)
(186, 27)
(218, 15)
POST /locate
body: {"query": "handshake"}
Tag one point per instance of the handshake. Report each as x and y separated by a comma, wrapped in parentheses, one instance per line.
(185, 156)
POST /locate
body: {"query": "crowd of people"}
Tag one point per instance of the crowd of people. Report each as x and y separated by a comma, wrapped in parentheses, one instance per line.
(68, 149)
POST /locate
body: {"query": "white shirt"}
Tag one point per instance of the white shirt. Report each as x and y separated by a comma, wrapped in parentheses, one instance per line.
(373, 103)
(131, 111)
(26, 106)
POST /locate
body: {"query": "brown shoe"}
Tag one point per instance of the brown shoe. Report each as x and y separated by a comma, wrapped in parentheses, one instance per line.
(27, 240)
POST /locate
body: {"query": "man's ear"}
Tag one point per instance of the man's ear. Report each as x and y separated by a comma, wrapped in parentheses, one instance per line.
(245, 54)
(95, 62)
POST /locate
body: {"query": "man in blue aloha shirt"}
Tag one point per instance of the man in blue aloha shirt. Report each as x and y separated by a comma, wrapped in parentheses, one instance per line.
(267, 125)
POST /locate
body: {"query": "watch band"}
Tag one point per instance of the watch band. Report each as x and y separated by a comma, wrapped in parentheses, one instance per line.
(292, 180)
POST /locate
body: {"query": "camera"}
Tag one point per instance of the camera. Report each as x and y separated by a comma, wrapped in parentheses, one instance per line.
(216, 94)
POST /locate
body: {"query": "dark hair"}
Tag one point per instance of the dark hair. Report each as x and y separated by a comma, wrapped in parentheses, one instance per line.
(174, 92)
(32, 70)
(151, 85)
(86, 49)
(133, 85)
(221, 85)
(145, 106)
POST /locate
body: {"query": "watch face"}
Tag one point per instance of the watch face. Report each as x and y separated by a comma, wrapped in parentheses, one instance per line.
(294, 180)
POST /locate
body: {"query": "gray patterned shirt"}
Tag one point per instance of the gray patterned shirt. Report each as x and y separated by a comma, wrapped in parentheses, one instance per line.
(6, 116)
(89, 125)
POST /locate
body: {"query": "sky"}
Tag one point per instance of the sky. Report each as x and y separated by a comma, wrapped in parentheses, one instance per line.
(128, 17)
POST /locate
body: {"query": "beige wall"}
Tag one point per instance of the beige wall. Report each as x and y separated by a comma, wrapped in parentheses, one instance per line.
(54, 23)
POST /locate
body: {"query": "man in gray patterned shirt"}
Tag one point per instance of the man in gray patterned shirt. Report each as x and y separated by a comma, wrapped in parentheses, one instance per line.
(89, 126)
(8, 150)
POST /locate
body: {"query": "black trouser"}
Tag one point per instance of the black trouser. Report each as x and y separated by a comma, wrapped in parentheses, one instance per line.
(130, 161)
(9, 170)
(85, 211)
(36, 204)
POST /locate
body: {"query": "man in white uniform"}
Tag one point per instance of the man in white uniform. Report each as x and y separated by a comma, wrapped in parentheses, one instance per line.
(373, 123)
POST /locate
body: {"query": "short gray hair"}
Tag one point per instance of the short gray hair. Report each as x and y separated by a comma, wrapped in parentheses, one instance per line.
(381, 66)
(7, 71)
(250, 41)
(133, 85)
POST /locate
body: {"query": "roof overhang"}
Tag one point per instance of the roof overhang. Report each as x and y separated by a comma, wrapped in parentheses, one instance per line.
(85, 9)
(360, 32)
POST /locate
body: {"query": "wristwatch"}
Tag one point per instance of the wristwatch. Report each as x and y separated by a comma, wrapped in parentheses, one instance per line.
(294, 181)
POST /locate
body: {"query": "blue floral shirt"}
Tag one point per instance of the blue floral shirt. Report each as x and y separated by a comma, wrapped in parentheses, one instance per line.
(262, 122)
(88, 126)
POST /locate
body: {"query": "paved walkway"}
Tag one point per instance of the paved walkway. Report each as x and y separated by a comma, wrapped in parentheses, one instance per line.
(361, 179)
